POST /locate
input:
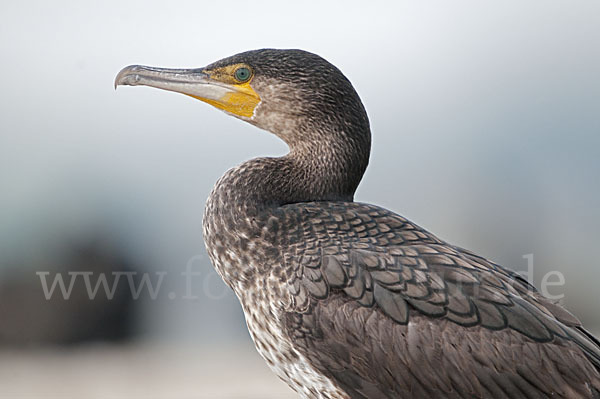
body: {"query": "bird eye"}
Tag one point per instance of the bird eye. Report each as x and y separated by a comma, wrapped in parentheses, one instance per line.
(242, 74)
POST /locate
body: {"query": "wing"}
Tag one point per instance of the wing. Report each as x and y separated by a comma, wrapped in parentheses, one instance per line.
(388, 310)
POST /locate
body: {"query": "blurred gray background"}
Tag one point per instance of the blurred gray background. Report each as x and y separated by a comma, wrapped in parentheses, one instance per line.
(486, 125)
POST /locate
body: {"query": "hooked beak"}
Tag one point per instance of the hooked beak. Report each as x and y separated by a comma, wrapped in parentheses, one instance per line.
(240, 100)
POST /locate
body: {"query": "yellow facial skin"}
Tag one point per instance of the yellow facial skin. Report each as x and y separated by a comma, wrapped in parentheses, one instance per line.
(242, 101)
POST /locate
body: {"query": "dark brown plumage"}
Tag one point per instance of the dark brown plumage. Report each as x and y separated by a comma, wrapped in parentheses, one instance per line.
(351, 301)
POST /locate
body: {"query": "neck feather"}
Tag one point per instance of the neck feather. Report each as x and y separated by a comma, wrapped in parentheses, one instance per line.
(311, 172)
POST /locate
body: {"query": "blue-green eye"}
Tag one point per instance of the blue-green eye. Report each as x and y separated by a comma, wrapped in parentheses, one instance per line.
(242, 74)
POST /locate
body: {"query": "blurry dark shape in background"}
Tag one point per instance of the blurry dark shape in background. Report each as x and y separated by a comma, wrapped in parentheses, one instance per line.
(28, 319)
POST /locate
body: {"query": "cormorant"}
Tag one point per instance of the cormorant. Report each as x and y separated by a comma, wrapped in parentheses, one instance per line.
(346, 300)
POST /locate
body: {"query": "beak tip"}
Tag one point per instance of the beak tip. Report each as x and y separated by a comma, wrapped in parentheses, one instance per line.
(124, 77)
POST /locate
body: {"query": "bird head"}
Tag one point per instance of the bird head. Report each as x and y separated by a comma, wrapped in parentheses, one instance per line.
(294, 94)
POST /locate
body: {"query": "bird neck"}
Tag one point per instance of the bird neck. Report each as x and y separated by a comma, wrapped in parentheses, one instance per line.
(324, 170)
